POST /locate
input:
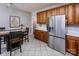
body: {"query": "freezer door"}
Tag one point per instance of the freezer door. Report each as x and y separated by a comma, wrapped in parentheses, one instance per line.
(60, 26)
(51, 42)
(59, 45)
(51, 25)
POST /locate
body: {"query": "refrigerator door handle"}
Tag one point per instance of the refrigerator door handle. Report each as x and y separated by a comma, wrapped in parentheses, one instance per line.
(47, 27)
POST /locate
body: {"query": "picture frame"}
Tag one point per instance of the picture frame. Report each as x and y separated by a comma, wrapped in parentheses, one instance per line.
(14, 21)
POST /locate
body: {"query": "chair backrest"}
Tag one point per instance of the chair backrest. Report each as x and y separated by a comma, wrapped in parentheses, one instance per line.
(27, 29)
(2, 28)
(16, 34)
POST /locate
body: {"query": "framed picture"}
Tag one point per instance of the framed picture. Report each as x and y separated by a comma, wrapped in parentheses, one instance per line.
(14, 21)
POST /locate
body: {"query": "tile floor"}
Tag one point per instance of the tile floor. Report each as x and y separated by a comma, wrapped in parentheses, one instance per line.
(33, 48)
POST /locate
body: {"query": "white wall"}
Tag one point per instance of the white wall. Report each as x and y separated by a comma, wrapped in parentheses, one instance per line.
(5, 12)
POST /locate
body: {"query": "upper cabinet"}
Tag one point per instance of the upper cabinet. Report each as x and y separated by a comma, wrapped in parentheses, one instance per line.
(77, 14)
(62, 10)
(70, 10)
(54, 12)
(57, 11)
(49, 13)
(42, 17)
(38, 17)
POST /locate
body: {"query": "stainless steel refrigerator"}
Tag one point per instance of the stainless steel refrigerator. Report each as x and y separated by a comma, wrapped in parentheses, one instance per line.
(56, 31)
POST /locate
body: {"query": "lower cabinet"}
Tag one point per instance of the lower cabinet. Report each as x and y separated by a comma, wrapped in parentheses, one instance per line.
(72, 44)
(78, 47)
(41, 35)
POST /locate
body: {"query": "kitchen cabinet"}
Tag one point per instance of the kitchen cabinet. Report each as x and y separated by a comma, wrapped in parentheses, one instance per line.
(45, 37)
(58, 11)
(71, 44)
(77, 14)
(39, 17)
(41, 35)
(54, 12)
(36, 35)
(42, 17)
(49, 13)
(70, 10)
(78, 47)
(62, 10)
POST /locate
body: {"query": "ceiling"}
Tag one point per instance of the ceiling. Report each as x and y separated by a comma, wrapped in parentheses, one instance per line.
(30, 7)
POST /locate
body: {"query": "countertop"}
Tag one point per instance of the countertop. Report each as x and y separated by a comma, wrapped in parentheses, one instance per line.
(73, 33)
(69, 32)
(42, 29)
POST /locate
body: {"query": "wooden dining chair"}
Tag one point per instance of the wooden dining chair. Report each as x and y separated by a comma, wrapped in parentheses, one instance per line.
(15, 39)
(26, 34)
(2, 29)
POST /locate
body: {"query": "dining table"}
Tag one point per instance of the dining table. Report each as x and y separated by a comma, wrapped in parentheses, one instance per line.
(3, 34)
(6, 33)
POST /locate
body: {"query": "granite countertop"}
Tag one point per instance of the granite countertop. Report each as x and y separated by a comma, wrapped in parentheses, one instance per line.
(69, 32)
(73, 33)
(42, 29)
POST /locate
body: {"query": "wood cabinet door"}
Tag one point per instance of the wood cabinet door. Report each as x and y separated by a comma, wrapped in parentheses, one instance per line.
(39, 35)
(38, 17)
(45, 37)
(71, 44)
(77, 14)
(78, 46)
(70, 14)
(44, 17)
(57, 11)
(41, 17)
(62, 10)
(49, 13)
(54, 12)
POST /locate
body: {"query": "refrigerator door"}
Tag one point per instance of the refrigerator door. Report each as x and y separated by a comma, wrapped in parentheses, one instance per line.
(51, 42)
(59, 45)
(56, 29)
(51, 25)
(60, 26)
